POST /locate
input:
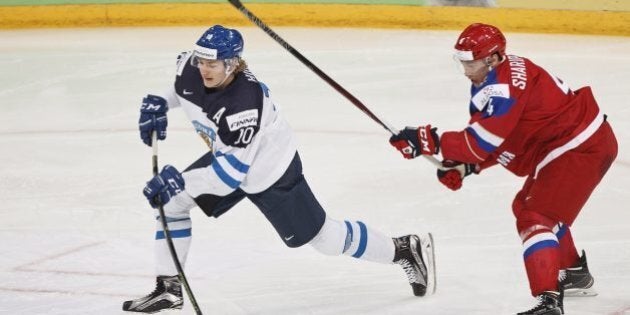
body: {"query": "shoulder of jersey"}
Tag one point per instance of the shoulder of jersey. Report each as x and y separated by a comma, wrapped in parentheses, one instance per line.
(183, 60)
(246, 93)
(517, 72)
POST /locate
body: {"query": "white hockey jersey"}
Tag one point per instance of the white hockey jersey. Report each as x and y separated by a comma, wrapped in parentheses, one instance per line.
(251, 143)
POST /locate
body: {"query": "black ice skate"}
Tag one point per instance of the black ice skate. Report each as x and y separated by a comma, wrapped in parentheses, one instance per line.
(549, 303)
(416, 256)
(167, 295)
(577, 280)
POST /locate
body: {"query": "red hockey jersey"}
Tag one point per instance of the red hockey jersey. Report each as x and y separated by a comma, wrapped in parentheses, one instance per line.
(522, 118)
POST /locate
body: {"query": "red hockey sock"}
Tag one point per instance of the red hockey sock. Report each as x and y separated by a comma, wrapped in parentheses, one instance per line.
(567, 252)
(541, 256)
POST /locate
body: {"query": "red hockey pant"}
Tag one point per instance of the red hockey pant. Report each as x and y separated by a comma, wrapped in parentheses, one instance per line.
(556, 196)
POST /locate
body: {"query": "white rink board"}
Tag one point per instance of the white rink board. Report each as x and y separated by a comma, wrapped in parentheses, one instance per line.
(77, 235)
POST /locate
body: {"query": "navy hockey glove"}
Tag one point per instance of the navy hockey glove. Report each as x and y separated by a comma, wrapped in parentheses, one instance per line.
(412, 142)
(164, 186)
(453, 178)
(153, 118)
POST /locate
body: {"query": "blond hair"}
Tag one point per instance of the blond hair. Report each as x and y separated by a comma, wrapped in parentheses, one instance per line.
(242, 65)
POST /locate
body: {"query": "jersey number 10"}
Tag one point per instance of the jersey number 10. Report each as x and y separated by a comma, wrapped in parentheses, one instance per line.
(245, 135)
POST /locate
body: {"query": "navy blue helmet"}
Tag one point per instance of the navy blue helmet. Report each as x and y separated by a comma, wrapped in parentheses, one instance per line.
(219, 43)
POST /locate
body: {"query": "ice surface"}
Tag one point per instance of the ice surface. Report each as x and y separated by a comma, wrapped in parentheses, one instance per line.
(76, 234)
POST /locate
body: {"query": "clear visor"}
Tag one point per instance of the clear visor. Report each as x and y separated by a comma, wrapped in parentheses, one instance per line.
(469, 66)
(197, 60)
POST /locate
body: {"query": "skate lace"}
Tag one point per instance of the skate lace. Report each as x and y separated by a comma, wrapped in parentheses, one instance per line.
(562, 275)
(161, 286)
(542, 304)
(409, 270)
(158, 289)
(538, 305)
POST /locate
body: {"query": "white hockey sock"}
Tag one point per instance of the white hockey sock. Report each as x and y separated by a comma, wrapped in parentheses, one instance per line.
(353, 238)
(180, 229)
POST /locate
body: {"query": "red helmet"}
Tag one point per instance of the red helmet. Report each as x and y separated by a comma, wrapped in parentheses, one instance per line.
(478, 41)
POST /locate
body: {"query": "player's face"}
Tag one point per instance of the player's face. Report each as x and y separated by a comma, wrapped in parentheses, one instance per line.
(476, 70)
(212, 72)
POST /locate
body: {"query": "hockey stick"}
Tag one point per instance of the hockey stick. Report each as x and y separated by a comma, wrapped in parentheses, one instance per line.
(250, 16)
(167, 232)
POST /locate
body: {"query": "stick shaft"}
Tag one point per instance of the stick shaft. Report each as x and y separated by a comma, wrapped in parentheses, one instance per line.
(355, 101)
(309, 64)
(167, 233)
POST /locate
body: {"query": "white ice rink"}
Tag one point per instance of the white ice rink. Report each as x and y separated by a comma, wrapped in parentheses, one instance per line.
(76, 234)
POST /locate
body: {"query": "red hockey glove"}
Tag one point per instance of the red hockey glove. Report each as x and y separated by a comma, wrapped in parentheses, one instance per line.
(453, 178)
(412, 142)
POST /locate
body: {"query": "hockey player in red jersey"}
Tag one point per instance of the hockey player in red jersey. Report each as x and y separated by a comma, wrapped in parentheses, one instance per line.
(534, 125)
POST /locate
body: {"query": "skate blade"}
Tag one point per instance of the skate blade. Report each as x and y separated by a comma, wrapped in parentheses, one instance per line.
(428, 251)
(580, 292)
(170, 311)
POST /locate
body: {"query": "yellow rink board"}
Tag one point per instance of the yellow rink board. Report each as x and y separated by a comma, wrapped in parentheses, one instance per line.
(595, 5)
(318, 15)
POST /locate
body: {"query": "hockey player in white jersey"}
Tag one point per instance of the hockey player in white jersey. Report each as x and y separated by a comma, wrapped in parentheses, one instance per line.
(252, 154)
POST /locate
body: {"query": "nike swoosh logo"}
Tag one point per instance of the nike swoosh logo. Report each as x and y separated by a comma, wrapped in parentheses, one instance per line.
(289, 238)
(186, 92)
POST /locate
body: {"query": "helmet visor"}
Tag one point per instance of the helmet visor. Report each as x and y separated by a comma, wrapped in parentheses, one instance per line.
(197, 61)
(463, 55)
(469, 66)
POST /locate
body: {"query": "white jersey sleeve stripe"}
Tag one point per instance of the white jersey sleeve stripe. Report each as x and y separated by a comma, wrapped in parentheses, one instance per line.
(224, 176)
(486, 135)
(471, 149)
(234, 162)
(232, 167)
